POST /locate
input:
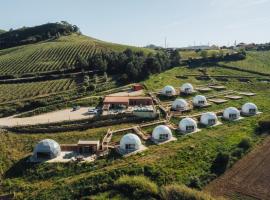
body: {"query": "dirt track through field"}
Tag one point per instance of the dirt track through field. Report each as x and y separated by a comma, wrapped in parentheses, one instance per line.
(249, 177)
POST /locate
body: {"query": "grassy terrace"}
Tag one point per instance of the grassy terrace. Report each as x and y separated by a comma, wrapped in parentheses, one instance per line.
(179, 161)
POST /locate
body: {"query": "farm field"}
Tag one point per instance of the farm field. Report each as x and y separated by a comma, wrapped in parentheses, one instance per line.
(181, 161)
(255, 61)
(248, 178)
(16, 92)
(51, 55)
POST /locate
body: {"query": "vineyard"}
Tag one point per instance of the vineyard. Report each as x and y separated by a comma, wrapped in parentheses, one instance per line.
(51, 55)
(255, 61)
(10, 92)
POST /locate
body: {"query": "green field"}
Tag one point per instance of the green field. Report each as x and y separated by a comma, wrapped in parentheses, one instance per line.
(181, 161)
(255, 61)
(51, 55)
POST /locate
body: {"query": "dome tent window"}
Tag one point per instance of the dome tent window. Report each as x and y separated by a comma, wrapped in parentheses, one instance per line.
(130, 147)
(232, 116)
(190, 128)
(163, 136)
(211, 122)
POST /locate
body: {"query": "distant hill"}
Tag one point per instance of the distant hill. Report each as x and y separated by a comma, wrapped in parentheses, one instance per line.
(51, 55)
(2, 31)
(29, 35)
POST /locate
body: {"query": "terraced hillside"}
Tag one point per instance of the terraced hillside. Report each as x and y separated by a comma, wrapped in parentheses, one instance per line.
(51, 55)
(257, 61)
(11, 92)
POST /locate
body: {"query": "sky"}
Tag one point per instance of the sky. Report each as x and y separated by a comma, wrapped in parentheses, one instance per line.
(143, 22)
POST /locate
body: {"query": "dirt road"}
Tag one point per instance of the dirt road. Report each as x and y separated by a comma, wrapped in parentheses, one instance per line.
(56, 116)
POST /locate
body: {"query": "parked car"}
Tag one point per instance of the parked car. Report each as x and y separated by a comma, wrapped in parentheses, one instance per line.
(76, 108)
(92, 111)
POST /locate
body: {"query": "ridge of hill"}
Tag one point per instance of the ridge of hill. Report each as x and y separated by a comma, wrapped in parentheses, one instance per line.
(2, 31)
(53, 55)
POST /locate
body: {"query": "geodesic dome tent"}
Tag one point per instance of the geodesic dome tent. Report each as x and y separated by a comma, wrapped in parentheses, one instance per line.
(231, 113)
(179, 104)
(208, 119)
(249, 109)
(187, 125)
(130, 142)
(168, 91)
(199, 100)
(47, 149)
(187, 88)
(161, 133)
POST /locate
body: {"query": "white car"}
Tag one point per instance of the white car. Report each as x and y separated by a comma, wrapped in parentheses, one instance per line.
(92, 111)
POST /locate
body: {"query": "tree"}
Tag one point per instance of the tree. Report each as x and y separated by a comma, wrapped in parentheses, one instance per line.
(204, 54)
(220, 163)
(175, 58)
(81, 62)
(105, 77)
(66, 65)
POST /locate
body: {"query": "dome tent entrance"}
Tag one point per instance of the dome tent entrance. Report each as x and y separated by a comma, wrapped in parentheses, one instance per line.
(46, 149)
(161, 133)
(187, 125)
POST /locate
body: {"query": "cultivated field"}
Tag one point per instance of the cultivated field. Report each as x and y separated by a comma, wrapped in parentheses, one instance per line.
(21, 91)
(51, 55)
(249, 178)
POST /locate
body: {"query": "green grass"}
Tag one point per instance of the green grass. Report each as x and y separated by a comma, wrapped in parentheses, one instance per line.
(2, 31)
(258, 61)
(50, 55)
(179, 161)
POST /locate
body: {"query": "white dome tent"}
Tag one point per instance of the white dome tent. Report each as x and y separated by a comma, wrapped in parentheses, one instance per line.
(161, 133)
(187, 88)
(187, 125)
(199, 101)
(129, 143)
(231, 113)
(249, 109)
(46, 149)
(179, 104)
(209, 119)
(168, 91)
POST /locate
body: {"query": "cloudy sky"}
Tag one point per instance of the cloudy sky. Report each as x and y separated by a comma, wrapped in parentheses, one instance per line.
(142, 22)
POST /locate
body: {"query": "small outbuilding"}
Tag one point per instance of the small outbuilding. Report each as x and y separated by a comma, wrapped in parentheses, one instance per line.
(209, 119)
(161, 133)
(179, 105)
(187, 125)
(249, 109)
(187, 88)
(231, 113)
(199, 101)
(46, 149)
(168, 91)
(130, 143)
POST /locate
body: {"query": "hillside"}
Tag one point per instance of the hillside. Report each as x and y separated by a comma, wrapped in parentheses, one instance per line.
(51, 55)
(2, 31)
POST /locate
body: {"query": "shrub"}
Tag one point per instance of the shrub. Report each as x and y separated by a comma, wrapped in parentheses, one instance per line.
(220, 164)
(245, 144)
(136, 187)
(237, 153)
(182, 192)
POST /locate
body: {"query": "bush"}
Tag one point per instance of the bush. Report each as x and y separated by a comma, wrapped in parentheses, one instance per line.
(136, 187)
(237, 153)
(245, 144)
(182, 192)
(220, 164)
